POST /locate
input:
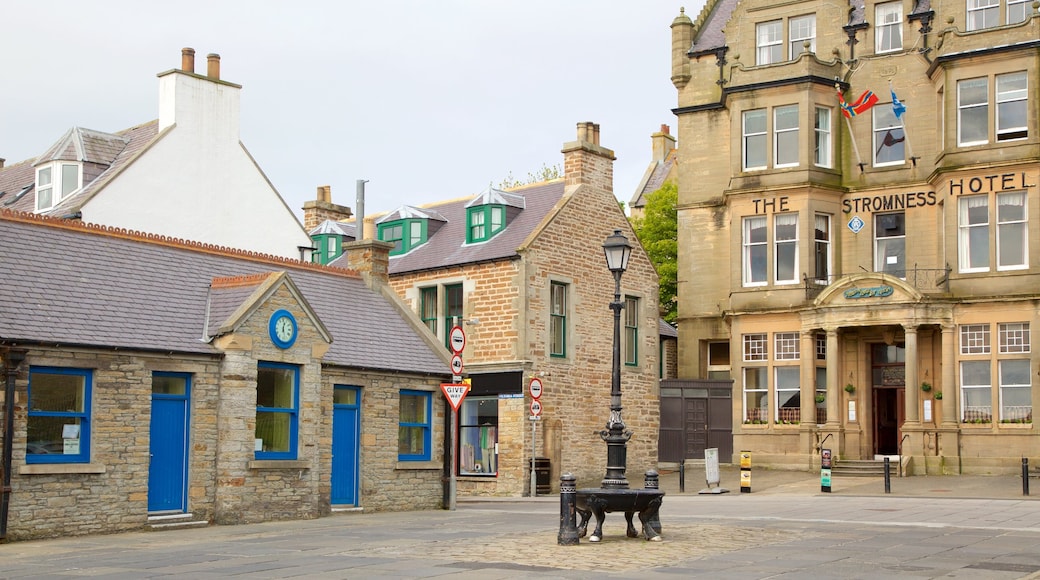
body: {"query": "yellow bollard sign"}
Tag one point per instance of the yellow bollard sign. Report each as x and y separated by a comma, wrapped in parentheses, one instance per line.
(745, 472)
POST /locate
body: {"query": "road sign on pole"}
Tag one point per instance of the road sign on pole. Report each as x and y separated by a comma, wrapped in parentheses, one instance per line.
(457, 339)
(456, 364)
(535, 388)
(536, 408)
(454, 392)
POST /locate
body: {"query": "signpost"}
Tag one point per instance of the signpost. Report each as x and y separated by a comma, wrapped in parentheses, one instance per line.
(535, 389)
(455, 392)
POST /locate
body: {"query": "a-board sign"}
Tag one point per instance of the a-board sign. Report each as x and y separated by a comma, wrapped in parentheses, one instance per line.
(457, 339)
(454, 392)
(711, 466)
(536, 388)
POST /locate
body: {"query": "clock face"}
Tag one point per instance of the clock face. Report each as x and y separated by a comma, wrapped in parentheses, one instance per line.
(283, 329)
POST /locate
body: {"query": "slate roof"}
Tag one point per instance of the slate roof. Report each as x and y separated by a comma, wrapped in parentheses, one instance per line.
(99, 287)
(709, 28)
(334, 227)
(447, 246)
(655, 180)
(665, 329)
(114, 150)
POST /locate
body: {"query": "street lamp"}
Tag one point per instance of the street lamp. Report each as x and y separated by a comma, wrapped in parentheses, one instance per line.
(617, 251)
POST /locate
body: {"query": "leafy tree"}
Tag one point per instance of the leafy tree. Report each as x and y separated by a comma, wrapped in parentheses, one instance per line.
(657, 231)
(546, 173)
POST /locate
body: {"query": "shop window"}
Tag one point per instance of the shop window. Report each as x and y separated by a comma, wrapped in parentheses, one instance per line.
(802, 29)
(822, 249)
(976, 396)
(59, 422)
(788, 401)
(975, 339)
(558, 319)
(756, 347)
(414, 426)
(889, 26)
(890, 244)
(478, 436)
(770, 42)
(787, 345)
(756, 395)
(1015, 391)
(889, 138)
(631, 331)
(785, 232)
(277, 410)
(822, 137)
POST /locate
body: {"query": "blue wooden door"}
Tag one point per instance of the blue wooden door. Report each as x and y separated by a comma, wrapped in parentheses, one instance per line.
(346, 426)
(168, 469)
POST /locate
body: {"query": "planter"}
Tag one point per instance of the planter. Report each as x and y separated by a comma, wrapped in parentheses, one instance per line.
(938, 395)
(926, 387)
(850, 388)
(820, 398)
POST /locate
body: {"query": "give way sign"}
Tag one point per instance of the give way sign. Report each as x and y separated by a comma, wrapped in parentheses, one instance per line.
(455, 392)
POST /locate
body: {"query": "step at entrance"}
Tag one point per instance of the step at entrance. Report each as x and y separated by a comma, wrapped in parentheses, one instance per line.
(174, 521)
(863, 467)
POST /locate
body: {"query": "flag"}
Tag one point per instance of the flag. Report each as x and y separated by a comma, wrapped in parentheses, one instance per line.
(865, 101)
(897, 106)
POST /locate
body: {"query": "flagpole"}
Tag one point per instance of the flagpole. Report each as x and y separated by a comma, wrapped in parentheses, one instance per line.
(852, 137)
(906, 136)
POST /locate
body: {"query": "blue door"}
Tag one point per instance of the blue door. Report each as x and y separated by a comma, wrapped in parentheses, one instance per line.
(168, 469)
(346, 426)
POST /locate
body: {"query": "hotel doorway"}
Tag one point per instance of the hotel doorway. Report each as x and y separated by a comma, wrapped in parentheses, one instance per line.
(888, 379)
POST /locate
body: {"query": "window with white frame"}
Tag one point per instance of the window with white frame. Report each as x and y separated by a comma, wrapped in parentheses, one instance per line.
(785, 235)
(770, 42)
(976, 392)
(756, 395)
(631, 331)
(1014, 337)
(56, 181)
(822, 142)
(785, 136)
(1012, 231)
(1016, 405)
(755, 251)
(983, 14)
(754, 136)
(58, 425)
(756, 347)
(802, 29)
(889, 138)
(788, 400)
(888, 26)
(822, 248)
(1012, 101)
(973, 228)
(1017, 11)
(478, 436)
(787, 345)
(973, 111)
(975, 339)
(890, 244)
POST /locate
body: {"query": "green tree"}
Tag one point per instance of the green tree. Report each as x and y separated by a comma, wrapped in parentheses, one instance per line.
(546, 173)
(657, 231)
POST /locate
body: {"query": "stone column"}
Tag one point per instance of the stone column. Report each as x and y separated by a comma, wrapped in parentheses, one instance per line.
(833, 376)
(807, 388)
(913, 416)
(949, 376)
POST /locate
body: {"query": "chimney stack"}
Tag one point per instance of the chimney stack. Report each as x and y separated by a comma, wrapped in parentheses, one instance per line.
(587, 163)
(322, 208)
(662, 143)
(213, 66)
(188, 60)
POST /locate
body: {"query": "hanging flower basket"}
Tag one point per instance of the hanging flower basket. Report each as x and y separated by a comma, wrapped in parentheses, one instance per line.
(926, 386)
(820, 397)
(938, 395)
(850, 388)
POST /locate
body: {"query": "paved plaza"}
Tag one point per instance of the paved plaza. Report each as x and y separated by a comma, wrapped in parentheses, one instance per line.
(978, 527)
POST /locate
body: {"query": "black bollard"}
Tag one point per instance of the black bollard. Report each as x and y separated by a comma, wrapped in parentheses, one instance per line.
(682, 476)
(1025, 476)
(888, 475)
(568, 535)
(651, 480)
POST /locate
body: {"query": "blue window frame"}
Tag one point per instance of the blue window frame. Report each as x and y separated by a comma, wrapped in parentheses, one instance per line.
(58, 427)
(277, 410)
(414, 427)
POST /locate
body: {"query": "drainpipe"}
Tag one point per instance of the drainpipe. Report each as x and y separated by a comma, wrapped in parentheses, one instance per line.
(12, 359)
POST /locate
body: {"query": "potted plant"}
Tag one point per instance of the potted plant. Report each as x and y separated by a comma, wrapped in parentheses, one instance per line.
(938, 395)
(850, 388)
(820, 397)
(926, 386)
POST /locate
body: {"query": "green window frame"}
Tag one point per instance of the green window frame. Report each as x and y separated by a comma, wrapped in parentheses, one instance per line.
(414, 426)
(483, 222)
(558, 319)
(428, 308)
(453, 302)
(406, 234)
(58, 422)
(277, 410)
(631, 330)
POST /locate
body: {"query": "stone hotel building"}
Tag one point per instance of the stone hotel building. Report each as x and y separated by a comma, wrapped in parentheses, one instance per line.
(859, 244)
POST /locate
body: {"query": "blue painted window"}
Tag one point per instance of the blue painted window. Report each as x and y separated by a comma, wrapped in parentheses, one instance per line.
(58, 428)
(277, 410)
(414, 427)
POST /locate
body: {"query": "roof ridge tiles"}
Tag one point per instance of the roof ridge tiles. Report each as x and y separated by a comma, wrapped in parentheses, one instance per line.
(239, 281)
(162, 240)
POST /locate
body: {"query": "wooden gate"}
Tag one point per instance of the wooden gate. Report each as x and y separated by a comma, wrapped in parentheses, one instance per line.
(696, 414)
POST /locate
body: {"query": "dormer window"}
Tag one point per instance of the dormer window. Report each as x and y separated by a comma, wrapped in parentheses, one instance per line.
(484, 222)
(54, 182)
(404, 234)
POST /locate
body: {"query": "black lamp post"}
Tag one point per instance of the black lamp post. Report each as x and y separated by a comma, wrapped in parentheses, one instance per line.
(617, 250)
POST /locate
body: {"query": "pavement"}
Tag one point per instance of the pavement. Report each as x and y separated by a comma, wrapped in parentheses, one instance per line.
(977, 527)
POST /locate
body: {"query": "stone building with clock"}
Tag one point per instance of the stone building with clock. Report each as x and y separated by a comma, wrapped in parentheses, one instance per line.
(859, 249)
(152, 382)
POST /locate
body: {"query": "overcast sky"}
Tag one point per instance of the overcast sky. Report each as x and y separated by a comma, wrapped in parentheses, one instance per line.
(427, 100)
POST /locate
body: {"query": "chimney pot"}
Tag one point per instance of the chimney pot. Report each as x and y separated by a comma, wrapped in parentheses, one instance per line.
(188, 60)
(2, 161)
(213, 66)
(665, 129)
(325, 193)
